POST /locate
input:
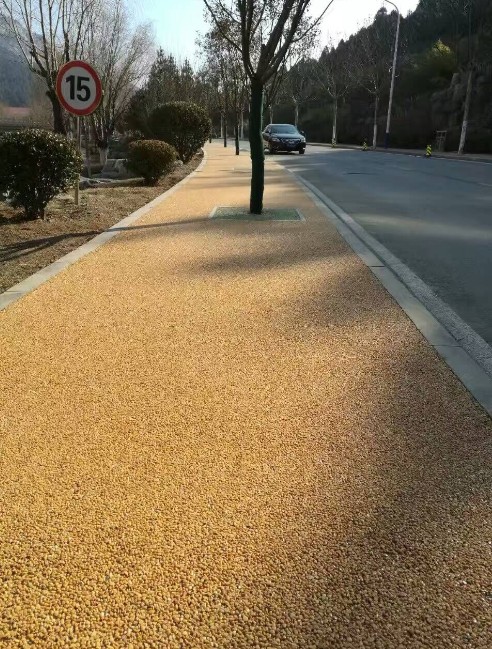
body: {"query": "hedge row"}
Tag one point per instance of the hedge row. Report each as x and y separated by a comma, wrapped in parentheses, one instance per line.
(36, 165)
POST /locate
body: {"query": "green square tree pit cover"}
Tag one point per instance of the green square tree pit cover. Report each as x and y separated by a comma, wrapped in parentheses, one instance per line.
(268, 214)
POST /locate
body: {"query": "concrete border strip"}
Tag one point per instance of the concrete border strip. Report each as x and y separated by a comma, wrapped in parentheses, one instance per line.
(32, 282)
(218, 207)
(435, 155)
(464, 351)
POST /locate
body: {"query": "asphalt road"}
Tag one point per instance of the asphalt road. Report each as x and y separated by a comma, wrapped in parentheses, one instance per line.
(435, 215)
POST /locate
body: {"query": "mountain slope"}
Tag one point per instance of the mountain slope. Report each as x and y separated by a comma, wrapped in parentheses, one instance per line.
(15, 76)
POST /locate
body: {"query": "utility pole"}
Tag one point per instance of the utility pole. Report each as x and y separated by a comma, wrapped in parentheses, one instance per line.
(393, 72)
(469, 85)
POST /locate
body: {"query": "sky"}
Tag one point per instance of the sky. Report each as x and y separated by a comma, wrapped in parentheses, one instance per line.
(177, 22)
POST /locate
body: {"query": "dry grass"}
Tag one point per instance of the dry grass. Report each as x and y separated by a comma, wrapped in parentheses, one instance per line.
(27, 246)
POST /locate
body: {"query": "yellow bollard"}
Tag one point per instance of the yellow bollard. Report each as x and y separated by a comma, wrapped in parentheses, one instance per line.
(428, 151)
(364, 146)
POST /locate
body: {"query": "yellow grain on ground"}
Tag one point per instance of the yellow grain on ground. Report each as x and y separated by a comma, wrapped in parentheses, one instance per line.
(227, 435)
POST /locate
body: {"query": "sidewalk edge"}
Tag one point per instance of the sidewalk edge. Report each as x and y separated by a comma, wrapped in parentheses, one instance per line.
(32, 282)
(449, 347)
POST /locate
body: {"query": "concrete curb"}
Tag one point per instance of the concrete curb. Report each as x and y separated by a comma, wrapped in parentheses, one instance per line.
(462, 349)
(412, 153)
(32, 282)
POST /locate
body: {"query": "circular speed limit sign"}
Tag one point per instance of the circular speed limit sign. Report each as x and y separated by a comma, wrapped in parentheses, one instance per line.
(78, 88)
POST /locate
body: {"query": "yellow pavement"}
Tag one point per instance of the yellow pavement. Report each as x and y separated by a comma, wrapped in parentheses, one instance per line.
(224, 434)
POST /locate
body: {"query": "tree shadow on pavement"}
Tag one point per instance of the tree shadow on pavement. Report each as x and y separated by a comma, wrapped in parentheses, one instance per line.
(396, 525)
(164, 224)
(386, 533)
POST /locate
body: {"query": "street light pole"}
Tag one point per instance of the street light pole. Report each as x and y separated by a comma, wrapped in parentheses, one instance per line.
(393, 72)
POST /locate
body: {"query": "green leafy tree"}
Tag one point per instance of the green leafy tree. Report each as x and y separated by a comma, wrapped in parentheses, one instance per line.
(465, 22)
(183, 125)
(151, 159)
(167, 81)
(428, 71)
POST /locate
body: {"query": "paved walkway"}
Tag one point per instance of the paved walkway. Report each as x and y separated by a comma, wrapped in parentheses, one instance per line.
(227, 435)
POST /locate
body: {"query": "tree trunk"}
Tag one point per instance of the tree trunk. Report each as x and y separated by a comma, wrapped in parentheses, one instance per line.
(221, 126)
(236, 134)
(103, 154)
(59, 125)
(335, 115)
(256, 145)
(296, 113)
(242, 125)
(271, 113)
(466, 112)
(375, 131)
(102, 136)
(225, 129)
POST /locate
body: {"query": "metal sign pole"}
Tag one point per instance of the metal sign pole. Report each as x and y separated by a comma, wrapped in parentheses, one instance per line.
(77, 197)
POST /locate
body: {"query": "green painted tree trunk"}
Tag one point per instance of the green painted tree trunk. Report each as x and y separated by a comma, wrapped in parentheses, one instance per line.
(256, 145)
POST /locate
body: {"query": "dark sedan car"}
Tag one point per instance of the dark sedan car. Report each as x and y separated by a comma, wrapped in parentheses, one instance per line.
(284, 137)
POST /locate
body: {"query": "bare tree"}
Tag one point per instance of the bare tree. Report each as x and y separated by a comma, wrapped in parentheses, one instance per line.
(41, 112)
(300, 86)
(121, 56)
(280, 85)
(266, 31)
(225, 63)
(372, 61)
(334, 77)
(49, 33)
(474, 12)
(215, 50)
(273, 89)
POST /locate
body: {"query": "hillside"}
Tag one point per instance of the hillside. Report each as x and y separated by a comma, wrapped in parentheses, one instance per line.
(15, 77)
(431, 79)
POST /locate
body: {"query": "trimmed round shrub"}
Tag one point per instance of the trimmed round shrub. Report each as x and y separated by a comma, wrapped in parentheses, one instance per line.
(35, 166)
(151, 159)
(184, 125)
